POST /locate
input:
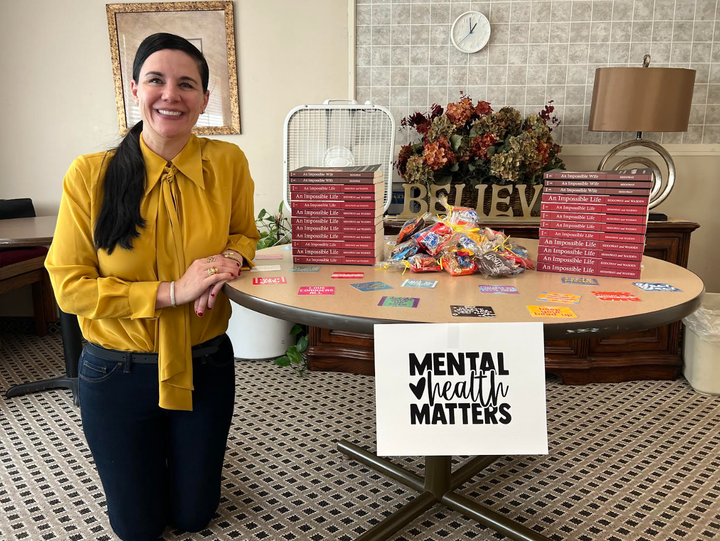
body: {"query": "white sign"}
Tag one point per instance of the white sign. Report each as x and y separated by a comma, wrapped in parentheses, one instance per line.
(460, 389)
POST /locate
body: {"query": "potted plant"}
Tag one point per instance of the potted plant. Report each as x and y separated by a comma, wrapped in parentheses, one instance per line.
(469, 143)
(246, 326)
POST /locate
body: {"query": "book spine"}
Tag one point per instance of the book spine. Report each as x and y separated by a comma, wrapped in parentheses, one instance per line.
(577, 226)
(565, 269)
(625, 219)
(343, 223)
(615, 208)
(341, 244)
(344, 205)
(335, 180)
(327, 173)
(571, 207)
(569, 234)
(578, 183)
(637, 248)
(623, 237)
(337, 213)
(332, 252)
(581, 199)
(644, 185)
(575, 175)
(625, 256)
(625, 228)
(327, 236)
(569, 243)
(621, 265)
(567, 252)
(331, 196)
(326, 188)
(568, 216)
(574, 190)
(334, 260)
(638, 174)
(586, 262)
(627, 191)
(619, 273)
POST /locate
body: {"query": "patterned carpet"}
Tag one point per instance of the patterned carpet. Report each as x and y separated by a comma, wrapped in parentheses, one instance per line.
(636, 461)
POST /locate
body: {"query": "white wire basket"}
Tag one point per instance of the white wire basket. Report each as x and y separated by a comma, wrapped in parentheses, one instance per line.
(339, 133)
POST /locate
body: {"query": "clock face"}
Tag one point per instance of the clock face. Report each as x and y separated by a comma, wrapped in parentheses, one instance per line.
(470, 32)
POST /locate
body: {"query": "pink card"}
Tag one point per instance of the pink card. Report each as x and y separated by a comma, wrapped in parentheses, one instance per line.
(317, 290)
(257, 281)
(348, 275)
(616, 296)
(260, 257)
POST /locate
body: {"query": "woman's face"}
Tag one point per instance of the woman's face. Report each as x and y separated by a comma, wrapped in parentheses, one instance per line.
(170, 96)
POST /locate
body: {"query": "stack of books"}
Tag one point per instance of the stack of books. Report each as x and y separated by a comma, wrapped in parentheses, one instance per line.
(594, 222)
(337, 215)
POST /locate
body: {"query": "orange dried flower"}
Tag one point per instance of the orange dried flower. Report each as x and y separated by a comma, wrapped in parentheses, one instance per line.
(438, 154)
(459, 113)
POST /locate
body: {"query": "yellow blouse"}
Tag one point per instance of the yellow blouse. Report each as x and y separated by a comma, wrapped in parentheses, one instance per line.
(199, 204)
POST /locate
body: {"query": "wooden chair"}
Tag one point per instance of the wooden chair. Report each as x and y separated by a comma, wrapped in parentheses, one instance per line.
(25, 266)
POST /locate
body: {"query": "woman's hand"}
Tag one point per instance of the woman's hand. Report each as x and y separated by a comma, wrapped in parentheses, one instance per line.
(199, 280)
(206, 301)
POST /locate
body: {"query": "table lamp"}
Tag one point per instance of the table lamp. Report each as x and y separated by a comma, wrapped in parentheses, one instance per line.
(627, 99)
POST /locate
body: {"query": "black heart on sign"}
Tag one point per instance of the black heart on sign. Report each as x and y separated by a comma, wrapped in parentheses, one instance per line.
(418, 389)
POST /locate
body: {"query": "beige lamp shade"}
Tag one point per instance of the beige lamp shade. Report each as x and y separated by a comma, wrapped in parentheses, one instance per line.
(641, 99)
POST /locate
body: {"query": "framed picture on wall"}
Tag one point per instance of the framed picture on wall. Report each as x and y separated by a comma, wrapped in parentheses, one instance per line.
(207, 25)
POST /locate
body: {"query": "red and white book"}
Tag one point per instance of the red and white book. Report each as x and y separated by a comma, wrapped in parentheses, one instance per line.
(338, 213)
(342, 260)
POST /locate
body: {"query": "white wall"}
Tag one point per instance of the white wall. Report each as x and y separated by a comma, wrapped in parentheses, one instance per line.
(57, 98)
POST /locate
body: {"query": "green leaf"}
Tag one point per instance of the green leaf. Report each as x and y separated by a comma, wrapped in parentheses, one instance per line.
(296, 329)
(282, 361)
(471, 167)
(262, 214)
(294, 355)
(303, 343)
(455, 141)
(280, 208)
(455, 167)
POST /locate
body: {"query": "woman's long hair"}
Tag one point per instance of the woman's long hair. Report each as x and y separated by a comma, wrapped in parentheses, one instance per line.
(123, 187)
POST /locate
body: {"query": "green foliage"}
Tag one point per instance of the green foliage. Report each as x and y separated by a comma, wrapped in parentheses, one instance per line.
(295, 355)
(274, 228)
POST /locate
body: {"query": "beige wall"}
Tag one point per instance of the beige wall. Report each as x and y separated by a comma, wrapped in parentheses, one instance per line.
(57, 98)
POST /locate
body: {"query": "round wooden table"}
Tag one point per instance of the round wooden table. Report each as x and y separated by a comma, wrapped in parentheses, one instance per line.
(353, 310)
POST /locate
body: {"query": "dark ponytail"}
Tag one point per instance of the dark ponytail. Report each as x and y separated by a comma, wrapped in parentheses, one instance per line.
(123, 186)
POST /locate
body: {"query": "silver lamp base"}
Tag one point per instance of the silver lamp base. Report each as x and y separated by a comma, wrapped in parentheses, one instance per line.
(658, 193)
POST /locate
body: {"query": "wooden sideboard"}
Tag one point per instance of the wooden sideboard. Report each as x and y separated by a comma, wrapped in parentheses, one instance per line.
(651, 354)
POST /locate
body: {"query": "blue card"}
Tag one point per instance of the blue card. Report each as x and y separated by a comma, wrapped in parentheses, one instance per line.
(654, 286)
(371, 286)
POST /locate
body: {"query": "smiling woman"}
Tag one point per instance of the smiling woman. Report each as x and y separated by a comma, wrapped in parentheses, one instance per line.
(145, 232)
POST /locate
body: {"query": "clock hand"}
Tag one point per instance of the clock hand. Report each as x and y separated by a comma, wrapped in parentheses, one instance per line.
(473, 28)
(466, 37)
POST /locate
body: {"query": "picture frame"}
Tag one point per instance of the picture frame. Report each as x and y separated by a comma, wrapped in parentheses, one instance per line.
(210, 26)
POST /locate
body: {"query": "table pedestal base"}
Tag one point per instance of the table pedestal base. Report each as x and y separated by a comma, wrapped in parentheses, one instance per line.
(438, 486)
(72, 348)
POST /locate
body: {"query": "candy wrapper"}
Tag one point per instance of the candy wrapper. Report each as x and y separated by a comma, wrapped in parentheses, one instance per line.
(458, 262)
(433, 238)
(404, 250)
(463, 241)
(462, 218)
(424, 263)
(494, 265)
(518, 255)
(412, 226)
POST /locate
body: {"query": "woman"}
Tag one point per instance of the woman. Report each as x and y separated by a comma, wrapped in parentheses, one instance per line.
(144, 233)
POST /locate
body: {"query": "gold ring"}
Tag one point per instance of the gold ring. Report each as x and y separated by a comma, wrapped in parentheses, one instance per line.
(212, 270)
(211, 259)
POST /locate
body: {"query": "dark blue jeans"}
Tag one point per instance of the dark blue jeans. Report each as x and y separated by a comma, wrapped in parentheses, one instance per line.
(158, 467)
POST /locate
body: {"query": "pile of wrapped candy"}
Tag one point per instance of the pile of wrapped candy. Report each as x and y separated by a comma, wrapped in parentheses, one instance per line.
(456, 244)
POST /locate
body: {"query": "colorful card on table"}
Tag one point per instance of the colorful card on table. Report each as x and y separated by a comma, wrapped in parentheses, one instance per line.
(261, 257)
(257, 281)
(458, 310)
(305, 268)
(371, 286)
(551, 311)
(427, 284)
(399, 302)
(615, 296)
(504, 290)
(348, 275)
(653, 286)
(265, 268)
(579, 280)
(317, 290)
(567, 298)
(287, 247)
